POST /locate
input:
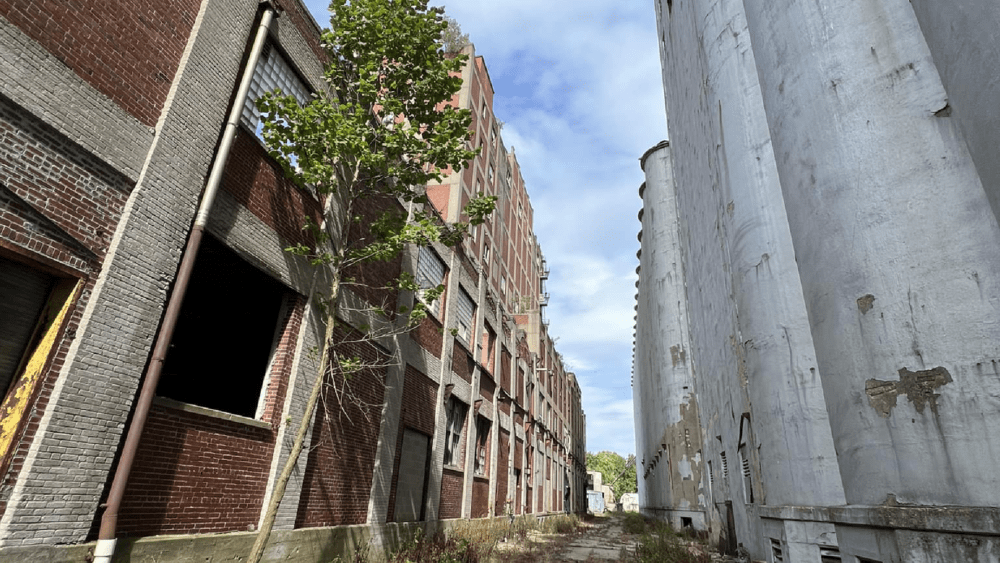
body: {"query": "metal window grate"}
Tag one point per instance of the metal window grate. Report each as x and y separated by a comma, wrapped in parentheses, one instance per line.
(829, 554)
(777, 551)
(725, 465)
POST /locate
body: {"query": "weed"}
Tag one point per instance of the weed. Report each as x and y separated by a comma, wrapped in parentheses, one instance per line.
(659, 543)
(634, 523)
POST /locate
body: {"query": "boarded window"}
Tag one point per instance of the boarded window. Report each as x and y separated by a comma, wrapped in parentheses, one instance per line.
(430, 274)
(411, 488)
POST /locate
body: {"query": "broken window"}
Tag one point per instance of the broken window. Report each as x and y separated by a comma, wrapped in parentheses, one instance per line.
(430, 274)
(829, 554)
(455, 413)
(482, 446)
(226, 333)
(777, 551)
(272, 73)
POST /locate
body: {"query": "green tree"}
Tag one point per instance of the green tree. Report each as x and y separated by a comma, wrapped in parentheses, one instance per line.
(380, 134)
(454, 40)
(616, 471)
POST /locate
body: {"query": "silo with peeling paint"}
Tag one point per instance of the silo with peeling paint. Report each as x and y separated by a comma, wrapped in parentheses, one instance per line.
(669, 454)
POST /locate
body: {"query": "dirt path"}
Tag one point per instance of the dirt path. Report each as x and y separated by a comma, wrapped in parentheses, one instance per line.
(601, 540)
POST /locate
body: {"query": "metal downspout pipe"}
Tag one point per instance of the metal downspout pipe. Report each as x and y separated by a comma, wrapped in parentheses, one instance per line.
(109, 521)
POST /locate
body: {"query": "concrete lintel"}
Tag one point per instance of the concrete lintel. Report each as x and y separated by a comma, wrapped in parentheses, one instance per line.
(946, 519)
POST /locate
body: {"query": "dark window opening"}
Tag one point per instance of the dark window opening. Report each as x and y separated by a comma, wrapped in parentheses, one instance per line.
(222, 345)
(686, 522)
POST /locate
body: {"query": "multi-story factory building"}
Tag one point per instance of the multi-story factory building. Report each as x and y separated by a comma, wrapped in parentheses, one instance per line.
(113, 116)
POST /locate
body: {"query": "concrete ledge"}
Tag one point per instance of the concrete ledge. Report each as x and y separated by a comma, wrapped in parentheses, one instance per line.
(948, 519)
(40, 83)
(203, 411)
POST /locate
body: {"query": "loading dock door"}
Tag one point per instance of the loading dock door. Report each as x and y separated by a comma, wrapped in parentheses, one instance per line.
(23, 293)
(411, 483)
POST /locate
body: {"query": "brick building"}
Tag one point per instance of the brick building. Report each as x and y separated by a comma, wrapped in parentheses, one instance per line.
(112, 117)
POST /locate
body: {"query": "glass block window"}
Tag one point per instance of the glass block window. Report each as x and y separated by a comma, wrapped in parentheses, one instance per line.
(466, 309)
(272, 73)
(430, 274)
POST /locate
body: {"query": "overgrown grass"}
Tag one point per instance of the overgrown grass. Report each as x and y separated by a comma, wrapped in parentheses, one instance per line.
(634, 523)
(476, 541)
(559, 524)
(659, 543)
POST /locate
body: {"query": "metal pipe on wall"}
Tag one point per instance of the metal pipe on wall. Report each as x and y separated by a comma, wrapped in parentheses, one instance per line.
(109, 521)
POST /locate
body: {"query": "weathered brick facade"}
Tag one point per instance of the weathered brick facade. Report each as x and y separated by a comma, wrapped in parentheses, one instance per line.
(110, 120)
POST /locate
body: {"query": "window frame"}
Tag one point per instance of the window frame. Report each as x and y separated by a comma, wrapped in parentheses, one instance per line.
(424, 276)
(455, 415)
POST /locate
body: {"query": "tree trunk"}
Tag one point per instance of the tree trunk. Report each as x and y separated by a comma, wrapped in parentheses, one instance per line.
(286, 473)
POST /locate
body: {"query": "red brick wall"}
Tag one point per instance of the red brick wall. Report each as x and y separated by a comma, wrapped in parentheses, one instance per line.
(451, 494)
(429, 336)
(49, 177)
(505, 382)
(200, 474)
(487, 387)
(417, 412)
(56, 186)
(338, 476)
(257, 182)
(480, 497)
(503, 453)
(129, 51)
(195, 474)
(374, 281)
(460, 362)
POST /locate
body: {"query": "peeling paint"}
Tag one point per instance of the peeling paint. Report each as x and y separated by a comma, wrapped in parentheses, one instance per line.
(918, 386)
(17, 404)
(677, 355)
(865, 303)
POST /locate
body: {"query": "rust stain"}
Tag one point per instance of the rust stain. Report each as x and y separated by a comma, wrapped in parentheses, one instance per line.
(918, 386)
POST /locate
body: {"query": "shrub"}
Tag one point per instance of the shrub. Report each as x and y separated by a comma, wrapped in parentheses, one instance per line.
(560, 524)
(634, 524)
(660, 544)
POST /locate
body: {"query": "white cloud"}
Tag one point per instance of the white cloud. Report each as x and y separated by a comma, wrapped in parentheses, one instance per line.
(578, 86)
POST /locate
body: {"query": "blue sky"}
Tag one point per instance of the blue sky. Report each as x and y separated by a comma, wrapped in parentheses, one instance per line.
(578, 87)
